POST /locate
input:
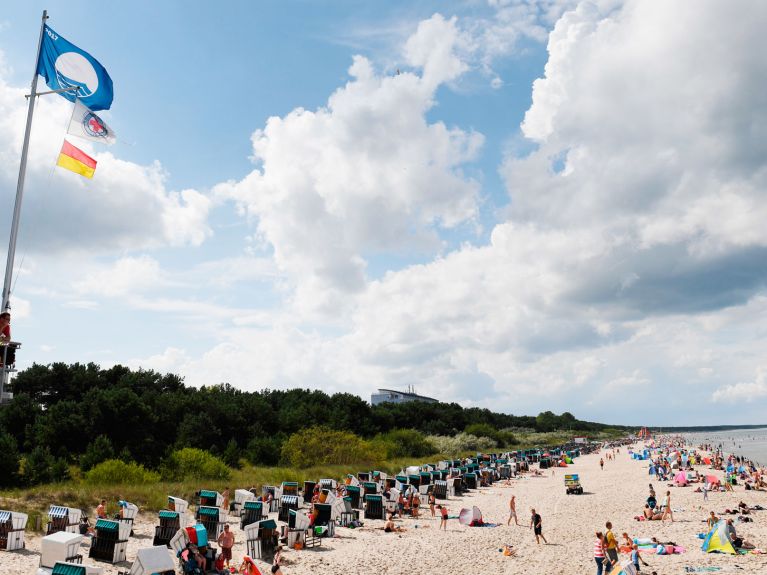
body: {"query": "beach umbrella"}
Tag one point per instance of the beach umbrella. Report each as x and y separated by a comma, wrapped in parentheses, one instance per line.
(681, 478)
(713, 480)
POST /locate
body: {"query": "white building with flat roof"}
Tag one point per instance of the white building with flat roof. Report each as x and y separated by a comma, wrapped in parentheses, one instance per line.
(395, 396)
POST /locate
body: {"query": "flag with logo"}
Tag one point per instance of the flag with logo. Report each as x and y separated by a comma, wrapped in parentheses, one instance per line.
(89, 125)
(64, 65)
(75, 160)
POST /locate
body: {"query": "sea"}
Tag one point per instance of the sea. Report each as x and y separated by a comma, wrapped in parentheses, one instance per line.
(751, 443)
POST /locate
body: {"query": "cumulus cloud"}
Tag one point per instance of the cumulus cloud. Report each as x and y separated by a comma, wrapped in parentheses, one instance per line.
(367, 173)
(746, 391)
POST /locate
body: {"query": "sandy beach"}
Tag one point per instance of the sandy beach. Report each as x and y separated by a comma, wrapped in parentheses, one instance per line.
(616, 493)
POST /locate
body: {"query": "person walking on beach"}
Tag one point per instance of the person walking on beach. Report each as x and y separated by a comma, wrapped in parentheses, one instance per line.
(101, 510)
(611, 546)
(667, 508)
(599, 552)
(226, 541)
(601, 464)
(513, 510)
(443, 515)
(536, 524)
(432, 502)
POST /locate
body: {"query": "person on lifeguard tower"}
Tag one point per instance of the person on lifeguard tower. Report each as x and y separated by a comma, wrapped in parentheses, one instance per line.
(5, 327)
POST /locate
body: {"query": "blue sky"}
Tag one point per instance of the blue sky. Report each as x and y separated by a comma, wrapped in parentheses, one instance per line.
(519, 205)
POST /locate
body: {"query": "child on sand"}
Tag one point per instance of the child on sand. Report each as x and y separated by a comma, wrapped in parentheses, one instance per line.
(443, 514)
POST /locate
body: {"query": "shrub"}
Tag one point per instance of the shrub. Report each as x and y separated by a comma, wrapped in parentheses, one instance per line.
(191, 463)
(402, 443)
(506, 438)
(114, 471)
(323, 446)
(482, 430)
(264, 450)
(460, 443)
(98, 450)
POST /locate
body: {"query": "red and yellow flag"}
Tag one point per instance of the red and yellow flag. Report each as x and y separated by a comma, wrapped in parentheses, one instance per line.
(76, 160)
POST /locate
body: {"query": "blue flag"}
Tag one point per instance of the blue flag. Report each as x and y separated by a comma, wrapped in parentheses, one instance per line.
(64, 65)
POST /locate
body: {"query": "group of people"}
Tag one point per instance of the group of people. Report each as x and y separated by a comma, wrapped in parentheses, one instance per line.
(653, 511)
(606, 549)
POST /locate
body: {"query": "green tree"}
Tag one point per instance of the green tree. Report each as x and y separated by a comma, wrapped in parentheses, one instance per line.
(9, 460)
(37, 466)
(98, 450)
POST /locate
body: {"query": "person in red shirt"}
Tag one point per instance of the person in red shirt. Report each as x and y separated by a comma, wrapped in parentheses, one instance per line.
(5, 327)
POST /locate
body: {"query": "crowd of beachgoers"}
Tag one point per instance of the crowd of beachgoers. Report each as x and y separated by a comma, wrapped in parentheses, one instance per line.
(648, 505)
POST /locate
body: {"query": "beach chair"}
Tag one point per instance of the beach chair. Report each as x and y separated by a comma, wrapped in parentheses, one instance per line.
(128, 513)
(210, 518)
(374, 507)
(425, 482)
(152, 561)
(252, 512)
(240, 497)
(111, 541)
(329, 484)
(355, 495)
(345, 513)
(440, 489)
(12, 526)
(454, 486)
(573, 484)
(208, 498)
(64, 568)
(324, 525)
(470, 480)
(287, 503)
(170, 523)
(274, 503)
(180, 506)
(309, 491)
(61, 546)
(363, 476)
(289, 488)
(369, 488)
(260, 538)
(298, 524)
(63, 519)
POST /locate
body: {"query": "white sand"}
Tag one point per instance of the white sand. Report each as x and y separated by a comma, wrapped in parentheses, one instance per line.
(569, 522)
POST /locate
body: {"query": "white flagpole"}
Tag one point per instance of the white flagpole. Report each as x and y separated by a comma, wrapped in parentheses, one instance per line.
(22, 175)
(5, 369)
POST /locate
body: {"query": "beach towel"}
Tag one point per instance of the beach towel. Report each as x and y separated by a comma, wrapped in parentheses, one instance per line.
(701, 569)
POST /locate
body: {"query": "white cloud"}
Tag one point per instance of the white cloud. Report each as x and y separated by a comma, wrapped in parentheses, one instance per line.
(367, 173)
(743, 392)
(129, 275)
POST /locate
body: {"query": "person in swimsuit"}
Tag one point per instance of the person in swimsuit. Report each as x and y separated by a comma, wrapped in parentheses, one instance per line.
(513, 510)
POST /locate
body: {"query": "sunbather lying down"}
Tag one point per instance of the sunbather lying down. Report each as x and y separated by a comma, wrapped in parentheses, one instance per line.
(508, 551)
(389, 527)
